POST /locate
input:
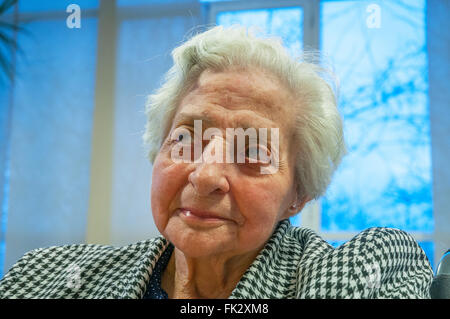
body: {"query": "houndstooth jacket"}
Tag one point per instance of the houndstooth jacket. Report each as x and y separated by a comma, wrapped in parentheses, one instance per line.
(295, 263)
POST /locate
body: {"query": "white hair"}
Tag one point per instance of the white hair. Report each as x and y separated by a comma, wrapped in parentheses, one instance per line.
(319, 128)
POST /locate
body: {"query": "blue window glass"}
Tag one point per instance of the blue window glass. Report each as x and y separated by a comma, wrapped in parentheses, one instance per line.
(4, 164)
(45, 178)
(379, 53)
(428, 248)
(52, 5)
(5, 120)
(336, 243)
(131, 3)
(286, 23)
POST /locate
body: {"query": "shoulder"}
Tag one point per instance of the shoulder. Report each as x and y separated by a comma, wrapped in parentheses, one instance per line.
(390, 247)
(38, 270)
(88, 253)
(393, 263)
(378, 262)
(84, 254)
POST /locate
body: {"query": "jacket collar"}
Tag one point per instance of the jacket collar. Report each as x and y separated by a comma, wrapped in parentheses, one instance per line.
(134, 283)
(270, 275)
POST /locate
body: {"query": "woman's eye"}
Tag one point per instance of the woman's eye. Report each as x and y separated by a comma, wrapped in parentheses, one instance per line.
(180, 138)
(252, 152)
(256, 154)
(181, 135)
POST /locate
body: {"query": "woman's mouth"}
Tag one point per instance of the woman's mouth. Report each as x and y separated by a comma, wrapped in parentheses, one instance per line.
(201, 217)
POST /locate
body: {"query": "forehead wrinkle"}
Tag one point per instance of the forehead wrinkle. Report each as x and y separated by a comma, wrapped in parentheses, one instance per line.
(265, 99)
(260, 103)
(229, 101)
(243, 119)
(189, 117)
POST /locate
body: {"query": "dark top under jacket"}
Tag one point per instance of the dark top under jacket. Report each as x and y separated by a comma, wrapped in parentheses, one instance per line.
(154, 290)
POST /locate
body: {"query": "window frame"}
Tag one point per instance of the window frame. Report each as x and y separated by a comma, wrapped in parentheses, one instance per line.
(310, 14)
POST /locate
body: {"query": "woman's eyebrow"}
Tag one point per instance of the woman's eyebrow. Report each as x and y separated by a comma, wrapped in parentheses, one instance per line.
(189, 118)
(209, 121)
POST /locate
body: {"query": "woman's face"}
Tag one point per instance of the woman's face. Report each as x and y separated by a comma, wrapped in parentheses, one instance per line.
(211, 208)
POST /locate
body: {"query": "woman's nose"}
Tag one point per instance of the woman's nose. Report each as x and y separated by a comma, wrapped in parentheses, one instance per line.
(209, 175)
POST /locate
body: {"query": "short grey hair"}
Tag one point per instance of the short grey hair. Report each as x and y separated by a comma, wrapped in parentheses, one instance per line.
(319, 127)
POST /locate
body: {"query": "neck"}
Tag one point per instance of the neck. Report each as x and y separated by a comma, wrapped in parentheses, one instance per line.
(204, 277)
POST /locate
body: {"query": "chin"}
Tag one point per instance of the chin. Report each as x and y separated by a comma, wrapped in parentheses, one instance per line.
(196, 244)
(197, 249)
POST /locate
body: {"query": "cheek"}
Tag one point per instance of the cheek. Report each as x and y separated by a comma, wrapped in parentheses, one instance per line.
(262, 199)
(260, 205)
(167, 180)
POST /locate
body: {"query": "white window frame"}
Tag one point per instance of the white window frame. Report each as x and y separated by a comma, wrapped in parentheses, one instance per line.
(310, 14)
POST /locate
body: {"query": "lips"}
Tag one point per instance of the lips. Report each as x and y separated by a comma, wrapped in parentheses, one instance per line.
(201, 215)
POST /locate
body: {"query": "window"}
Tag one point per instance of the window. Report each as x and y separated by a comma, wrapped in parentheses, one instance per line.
(386, 178)
(287, 23)
(47, 123)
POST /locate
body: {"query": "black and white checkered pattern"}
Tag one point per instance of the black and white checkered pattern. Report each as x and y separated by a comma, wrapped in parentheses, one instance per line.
(295, 263)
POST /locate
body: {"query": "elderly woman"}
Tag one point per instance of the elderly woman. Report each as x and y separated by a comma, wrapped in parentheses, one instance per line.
(241, 137)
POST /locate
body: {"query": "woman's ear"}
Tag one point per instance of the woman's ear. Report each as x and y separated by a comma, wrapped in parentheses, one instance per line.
(297, 206)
